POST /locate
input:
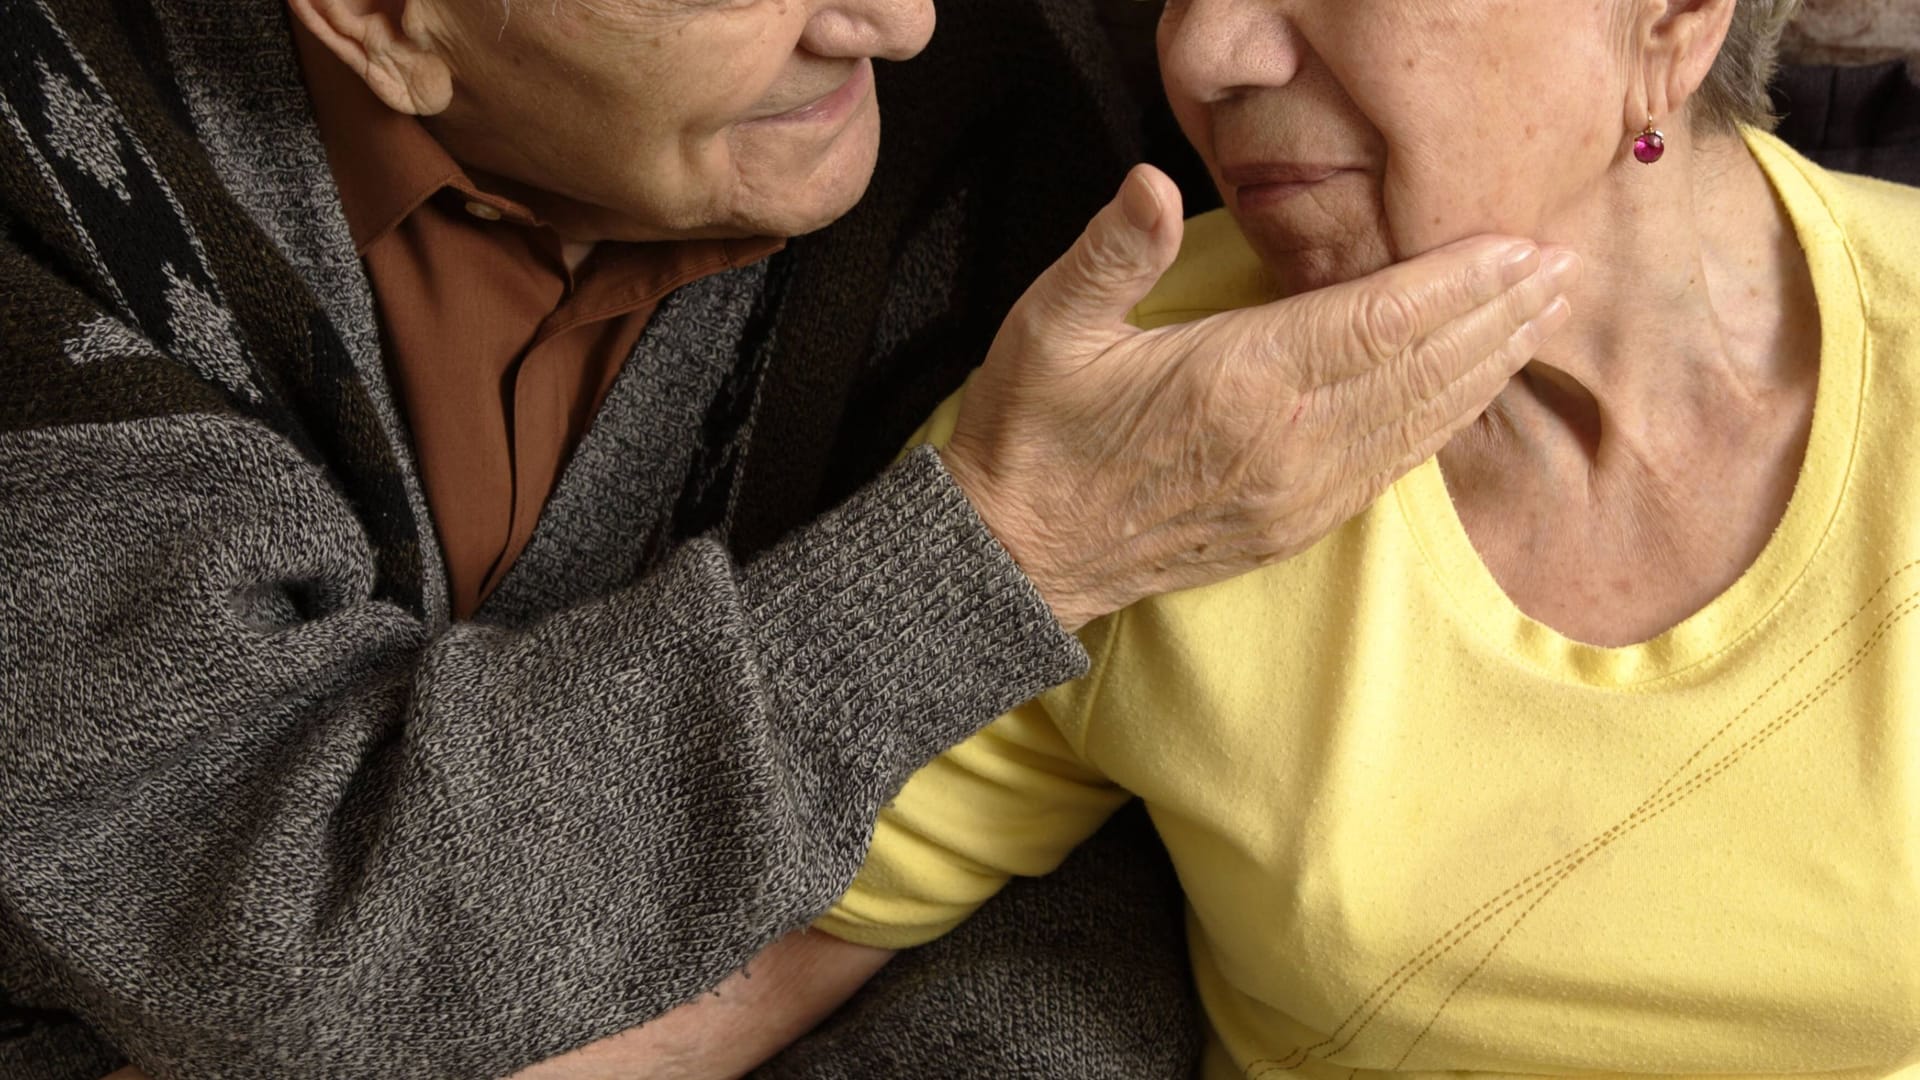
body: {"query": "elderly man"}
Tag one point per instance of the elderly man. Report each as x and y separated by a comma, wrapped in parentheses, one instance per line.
(386, 688)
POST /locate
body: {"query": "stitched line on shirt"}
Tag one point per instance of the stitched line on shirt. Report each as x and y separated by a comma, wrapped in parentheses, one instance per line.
(1795, 666)
(1800, 708)
(1549, 877)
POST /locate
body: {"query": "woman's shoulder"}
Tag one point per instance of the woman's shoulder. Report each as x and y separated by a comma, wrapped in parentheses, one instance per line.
(1878, 222)
(1881, 221)
(1216, 271)
(1877, 216)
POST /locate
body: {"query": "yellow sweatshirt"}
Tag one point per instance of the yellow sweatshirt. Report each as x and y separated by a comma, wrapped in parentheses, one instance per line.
(1421, 833)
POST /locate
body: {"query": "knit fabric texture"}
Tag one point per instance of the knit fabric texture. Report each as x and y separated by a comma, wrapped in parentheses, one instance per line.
(264, 811)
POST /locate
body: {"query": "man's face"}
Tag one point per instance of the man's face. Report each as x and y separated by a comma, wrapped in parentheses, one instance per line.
(662, 119)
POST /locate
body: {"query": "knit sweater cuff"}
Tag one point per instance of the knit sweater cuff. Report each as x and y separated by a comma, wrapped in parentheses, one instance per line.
(901, 607)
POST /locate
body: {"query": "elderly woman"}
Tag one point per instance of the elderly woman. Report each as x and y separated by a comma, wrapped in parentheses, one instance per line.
(1591, 748)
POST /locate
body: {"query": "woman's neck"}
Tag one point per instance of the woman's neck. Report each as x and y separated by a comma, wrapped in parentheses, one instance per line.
(1639, 465)
(1695, 312)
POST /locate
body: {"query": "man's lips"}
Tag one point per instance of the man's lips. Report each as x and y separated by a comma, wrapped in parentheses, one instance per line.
(1258, 184)
(833, 105)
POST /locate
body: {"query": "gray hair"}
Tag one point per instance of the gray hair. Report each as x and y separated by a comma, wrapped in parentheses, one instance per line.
(1735, 92)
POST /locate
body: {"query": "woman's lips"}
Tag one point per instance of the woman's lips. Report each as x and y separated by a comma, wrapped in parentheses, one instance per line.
(1257, 185)
(834, 106)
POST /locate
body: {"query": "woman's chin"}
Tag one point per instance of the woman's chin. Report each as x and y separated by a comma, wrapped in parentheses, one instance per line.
(1308, 244)
(1303, 270)
(1297, 264)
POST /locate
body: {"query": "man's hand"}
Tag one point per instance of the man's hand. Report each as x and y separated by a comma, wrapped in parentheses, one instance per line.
(1116, 464)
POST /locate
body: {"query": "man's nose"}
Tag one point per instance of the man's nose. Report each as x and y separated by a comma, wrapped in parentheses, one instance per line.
(889, 29)
(1212, 49)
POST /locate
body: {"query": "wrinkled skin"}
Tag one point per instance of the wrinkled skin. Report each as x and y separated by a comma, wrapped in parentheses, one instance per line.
(643, 119)
(1640, 463)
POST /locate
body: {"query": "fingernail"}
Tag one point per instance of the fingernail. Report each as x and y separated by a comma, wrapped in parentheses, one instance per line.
(1139, 203)
(1519, 263)
(1563, 270)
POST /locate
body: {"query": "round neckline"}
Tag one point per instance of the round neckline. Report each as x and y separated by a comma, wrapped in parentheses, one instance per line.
(1427, 506)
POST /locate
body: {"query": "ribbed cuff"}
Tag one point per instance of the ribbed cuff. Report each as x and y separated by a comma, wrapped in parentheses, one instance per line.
(898, 618)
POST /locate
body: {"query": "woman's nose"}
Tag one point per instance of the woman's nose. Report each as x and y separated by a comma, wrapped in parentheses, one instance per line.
(889, 29)
(1212, 49)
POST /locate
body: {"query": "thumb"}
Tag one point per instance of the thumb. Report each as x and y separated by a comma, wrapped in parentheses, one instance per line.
(1116, 261)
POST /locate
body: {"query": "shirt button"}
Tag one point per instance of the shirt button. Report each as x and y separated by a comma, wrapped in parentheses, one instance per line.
(482, 211)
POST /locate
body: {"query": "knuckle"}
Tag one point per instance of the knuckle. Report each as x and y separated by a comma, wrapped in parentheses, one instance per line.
(1432, 370)
(1483, 281)
(1103, 257)
(1385, 322)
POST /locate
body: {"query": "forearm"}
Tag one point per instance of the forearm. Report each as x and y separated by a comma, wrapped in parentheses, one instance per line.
(785, 992)
(314, 827)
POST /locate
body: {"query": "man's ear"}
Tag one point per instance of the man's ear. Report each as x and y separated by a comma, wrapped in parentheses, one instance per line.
(372, 39)
(1679, 42)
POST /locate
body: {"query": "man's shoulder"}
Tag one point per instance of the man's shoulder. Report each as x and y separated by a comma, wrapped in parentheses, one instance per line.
(1216, 271)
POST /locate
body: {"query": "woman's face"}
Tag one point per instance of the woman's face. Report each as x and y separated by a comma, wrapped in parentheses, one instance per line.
(1348, 134)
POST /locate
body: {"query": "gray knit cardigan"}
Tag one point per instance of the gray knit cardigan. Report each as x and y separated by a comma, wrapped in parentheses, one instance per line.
(265, 811)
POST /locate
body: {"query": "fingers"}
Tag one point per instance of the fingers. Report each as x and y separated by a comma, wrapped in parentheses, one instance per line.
(1421, 372)
(1415, 299)
(1116, 261)
(1415, 435)
(1372, 319)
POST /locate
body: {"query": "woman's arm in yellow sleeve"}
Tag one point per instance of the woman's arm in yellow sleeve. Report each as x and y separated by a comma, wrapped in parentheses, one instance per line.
(1013, 800)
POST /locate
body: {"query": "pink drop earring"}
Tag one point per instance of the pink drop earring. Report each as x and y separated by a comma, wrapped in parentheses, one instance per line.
(1650, 146)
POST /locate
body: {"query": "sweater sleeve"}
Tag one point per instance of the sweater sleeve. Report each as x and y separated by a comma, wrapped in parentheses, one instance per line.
(256, 821)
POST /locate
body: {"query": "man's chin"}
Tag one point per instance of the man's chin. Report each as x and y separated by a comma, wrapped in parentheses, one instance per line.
(826, 215)
(825, 204)
(800, 200)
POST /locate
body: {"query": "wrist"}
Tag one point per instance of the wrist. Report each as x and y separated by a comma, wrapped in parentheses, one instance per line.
(1018, 534)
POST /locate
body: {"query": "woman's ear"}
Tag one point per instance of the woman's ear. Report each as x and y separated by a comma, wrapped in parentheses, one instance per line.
(1678, 41)
(371, 37)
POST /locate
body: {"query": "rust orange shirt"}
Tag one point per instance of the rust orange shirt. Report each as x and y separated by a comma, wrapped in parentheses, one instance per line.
(500, 355)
